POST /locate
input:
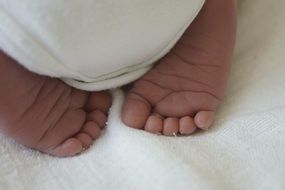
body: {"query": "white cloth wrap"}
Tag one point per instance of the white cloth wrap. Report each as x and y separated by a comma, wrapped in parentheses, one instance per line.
(93, 44)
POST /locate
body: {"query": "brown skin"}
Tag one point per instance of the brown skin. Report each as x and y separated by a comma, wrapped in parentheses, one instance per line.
(45, 114)
(179, 95)
(182, 92)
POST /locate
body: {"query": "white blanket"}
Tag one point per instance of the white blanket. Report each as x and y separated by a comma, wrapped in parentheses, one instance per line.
(244, 149)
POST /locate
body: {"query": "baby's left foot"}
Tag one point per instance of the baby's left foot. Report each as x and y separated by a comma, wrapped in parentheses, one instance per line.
(183, 91)
(46, 114)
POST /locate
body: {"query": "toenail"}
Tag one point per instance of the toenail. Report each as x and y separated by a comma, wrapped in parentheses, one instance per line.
(204, 120)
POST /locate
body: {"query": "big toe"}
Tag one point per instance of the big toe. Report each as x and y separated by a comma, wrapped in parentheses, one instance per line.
(70, 147)
(136, 111)
(77, 144)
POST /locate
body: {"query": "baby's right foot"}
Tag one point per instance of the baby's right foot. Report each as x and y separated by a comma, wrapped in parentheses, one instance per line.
(182, 92)
(46, 114)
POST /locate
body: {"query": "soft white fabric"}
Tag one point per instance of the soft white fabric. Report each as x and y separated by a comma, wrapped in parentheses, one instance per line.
(243, 151)
(93, 44)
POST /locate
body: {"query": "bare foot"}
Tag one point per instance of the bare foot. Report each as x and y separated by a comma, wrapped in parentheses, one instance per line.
(47, 115)
(182, 92)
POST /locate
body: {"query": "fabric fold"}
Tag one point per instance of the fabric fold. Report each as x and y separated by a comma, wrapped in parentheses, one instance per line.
(93, 45)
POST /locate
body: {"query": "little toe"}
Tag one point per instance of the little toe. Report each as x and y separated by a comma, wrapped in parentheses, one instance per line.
(92, 129)
(187, 126)
(98, 117)
(68, 148)
(204, 119)
(154, 124)
(100, 101)
(170, 126)
(136, 111)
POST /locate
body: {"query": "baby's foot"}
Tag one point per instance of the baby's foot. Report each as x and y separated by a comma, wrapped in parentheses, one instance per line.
(46, 114)
(182, 92)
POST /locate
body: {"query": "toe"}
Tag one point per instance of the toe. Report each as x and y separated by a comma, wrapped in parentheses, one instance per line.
(204, 119)
(154, 124)
(75, 145)
(170, 126)
(85, 139)
(92, 129)
(68, 148)
(100, 101)
(69, 124)
(186, 126)
(79, 98)
(135, 112)
(98, 117)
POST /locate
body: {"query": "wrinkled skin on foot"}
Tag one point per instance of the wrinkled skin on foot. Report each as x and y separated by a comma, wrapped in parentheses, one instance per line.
(182, 92)
(46, 114)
